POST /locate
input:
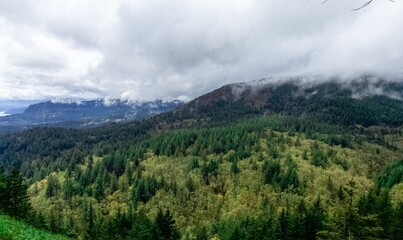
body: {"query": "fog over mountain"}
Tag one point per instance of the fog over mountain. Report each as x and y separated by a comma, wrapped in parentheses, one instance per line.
(144, 50)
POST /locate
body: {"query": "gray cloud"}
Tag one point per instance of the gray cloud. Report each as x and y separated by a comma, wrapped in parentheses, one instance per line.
(180, 49)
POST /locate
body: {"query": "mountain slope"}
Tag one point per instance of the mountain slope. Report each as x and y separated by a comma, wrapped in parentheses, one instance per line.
(247, 161)
(365, 101)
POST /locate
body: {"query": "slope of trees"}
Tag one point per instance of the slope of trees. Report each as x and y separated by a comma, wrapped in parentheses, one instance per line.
(271, 177)
(307, 174)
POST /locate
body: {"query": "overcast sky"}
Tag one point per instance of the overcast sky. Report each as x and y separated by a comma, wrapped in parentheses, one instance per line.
(180, 49)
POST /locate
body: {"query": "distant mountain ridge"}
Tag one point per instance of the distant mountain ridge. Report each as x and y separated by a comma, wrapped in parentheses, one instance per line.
(365, 100)
(87, 113)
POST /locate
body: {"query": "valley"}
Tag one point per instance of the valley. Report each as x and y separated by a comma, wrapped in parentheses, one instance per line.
(247, 161)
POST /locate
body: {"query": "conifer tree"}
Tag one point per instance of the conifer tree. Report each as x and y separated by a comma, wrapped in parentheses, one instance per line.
(234, 166)
(142, 228)
(2, 189)
(283, 226)
(396, 231)
(16, 197)
(53, 187)
(165, 225)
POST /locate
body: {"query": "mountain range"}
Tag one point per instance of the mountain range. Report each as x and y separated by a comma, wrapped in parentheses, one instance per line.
(365, 100)
(80, 114)
(275, 158)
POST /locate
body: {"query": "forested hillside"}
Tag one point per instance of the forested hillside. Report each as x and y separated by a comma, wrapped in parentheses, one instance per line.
(228, 165)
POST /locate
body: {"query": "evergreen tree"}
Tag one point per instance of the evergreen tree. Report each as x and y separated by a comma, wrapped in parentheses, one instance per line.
(314, 221)
(283, 226)
(142, 228)
(98, 192)
(271, 172)
(90, 229)
(234, 166)
(68, 189)
(16, 197)
(2, 189)
(165, 226)
(385, 212)
(114, 183)
(139, 191)
(53, 187)
(396, 231)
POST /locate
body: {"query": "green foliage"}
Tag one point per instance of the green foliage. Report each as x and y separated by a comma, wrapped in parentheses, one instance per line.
(53, 188)
(15, 199)
(234, 166)
(271, 172)
(142, 228)
(283, 228)
(255, 178)
(2, 189)
(248, 228)
(209, 170)
(165, 226)
(396, 230)
(16, 230)
(144, 189)
(390, 175)
(319, 157)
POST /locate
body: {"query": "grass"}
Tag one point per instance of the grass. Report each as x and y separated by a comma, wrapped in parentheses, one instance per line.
(11, 229)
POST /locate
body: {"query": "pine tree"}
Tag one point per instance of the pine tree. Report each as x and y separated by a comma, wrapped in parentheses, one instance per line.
(283, 227)
(2, 189)
(98, 192)
(234, 166)
(396, 231)
(89, 220)
(385, 212)
(53, 187)
(142, 228)
(16, 197)
(139, 191)
(166, 228)
(314, 220)
(68, 189)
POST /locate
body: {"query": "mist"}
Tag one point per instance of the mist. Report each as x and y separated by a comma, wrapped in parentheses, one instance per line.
(146, 50)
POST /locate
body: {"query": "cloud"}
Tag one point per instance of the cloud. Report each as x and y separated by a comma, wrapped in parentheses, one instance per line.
(144, 50)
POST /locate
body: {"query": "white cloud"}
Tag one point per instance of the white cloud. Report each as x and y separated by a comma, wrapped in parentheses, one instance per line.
(151, 49)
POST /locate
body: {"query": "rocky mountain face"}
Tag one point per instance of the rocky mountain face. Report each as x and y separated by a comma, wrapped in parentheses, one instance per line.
(87, 113)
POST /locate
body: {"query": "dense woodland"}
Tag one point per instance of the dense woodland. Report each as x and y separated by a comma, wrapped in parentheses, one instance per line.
(251, 176)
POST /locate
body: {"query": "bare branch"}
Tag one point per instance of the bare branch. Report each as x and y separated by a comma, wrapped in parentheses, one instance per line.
(363, 6)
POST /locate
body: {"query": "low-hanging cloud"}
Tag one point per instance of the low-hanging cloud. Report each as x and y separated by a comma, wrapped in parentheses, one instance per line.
(144, 50)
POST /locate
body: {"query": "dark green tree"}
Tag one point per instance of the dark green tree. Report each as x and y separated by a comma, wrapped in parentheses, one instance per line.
(142, 228)
(53, 187)
(2, 189)
(234, 166)
(314, 221)
(16, 197)
(89, 216)
(165, 226)
(396, 231)
(283, 225)
(201, 234)
(271, 172)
